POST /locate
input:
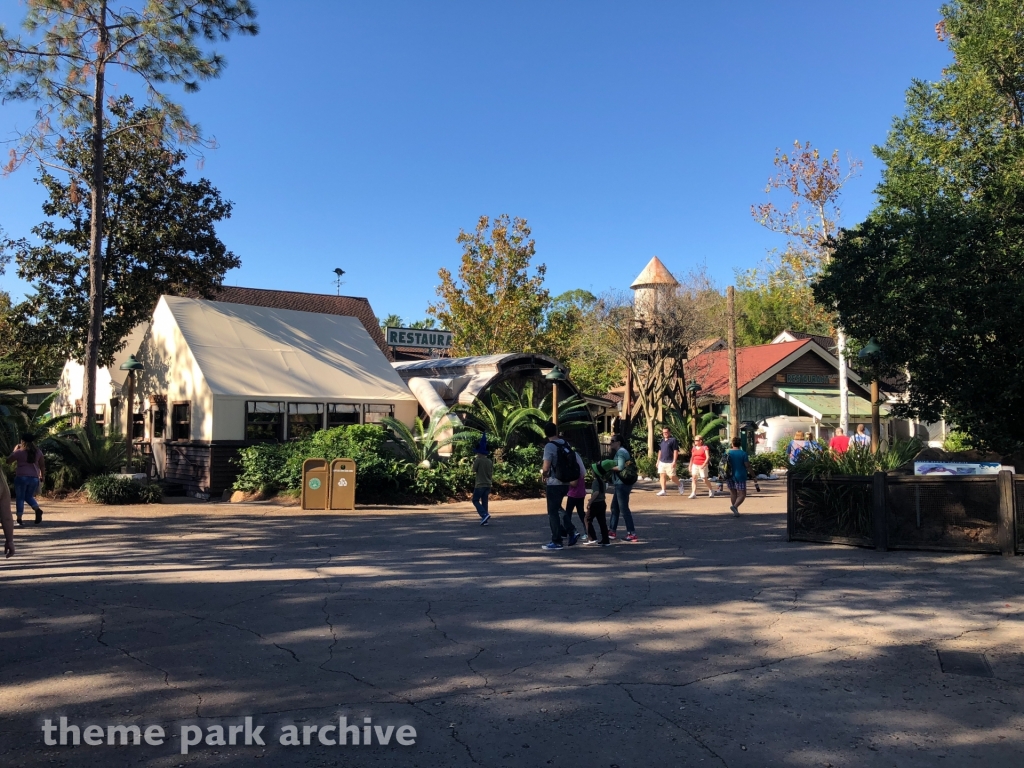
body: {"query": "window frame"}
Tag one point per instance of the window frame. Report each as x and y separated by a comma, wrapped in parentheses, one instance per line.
(177, 424)
(320, 413)
(282, 414)
(367, 410)
(358, 412)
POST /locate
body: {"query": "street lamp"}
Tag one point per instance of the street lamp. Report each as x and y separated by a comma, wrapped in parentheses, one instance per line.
(131, 365)
(869, 353)
(693, 388)
(556, 375)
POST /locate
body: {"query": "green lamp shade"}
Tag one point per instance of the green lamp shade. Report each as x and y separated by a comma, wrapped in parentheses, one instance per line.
(131, 364)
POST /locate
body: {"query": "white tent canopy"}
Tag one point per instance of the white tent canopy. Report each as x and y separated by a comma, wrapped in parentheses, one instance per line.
(261, 352)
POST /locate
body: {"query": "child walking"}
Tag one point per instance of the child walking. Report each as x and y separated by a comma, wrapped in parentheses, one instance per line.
(483, 468)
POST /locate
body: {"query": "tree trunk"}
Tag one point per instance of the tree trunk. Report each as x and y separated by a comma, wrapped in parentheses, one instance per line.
(97, 200)
(844, 384)
(734, 399)
(650, 435)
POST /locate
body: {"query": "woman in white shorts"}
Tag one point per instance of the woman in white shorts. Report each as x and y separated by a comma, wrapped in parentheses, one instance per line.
(700, 458)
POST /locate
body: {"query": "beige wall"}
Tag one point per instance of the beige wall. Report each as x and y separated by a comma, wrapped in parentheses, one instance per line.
(171, 370)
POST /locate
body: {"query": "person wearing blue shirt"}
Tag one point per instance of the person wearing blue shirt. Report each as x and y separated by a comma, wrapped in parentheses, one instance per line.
(737, 468)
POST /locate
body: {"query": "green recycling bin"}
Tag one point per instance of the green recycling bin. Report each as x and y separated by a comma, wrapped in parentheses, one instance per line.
(315, 488)
(343, 484)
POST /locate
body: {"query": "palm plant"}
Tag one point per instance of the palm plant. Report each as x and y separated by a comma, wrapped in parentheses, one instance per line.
(12, 413)
(573, 412)
(85, 453)
(709, 427)
(424, 441)
(505, 422)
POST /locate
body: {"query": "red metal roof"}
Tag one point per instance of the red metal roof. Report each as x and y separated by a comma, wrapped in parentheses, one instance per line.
(711, 369)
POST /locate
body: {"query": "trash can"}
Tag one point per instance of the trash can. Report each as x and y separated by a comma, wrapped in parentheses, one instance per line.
(343, 484)
(315, 489)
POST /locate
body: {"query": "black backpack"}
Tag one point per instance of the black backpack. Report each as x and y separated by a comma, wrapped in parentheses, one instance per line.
(567, 467)
(628, 475)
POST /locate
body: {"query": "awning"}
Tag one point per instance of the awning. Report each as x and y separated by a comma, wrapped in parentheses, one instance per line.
(823, 404)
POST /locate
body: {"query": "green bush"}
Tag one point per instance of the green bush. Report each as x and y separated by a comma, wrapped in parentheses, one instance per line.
(646, 467)
(778, 459)
(111, 489)
(272, 467)
(761, 464)
(957, 442)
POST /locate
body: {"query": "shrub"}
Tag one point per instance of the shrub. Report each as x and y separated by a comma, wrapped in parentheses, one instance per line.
(957, 442)
(111, 489)
(272, 467)
(761, 464)
(778, 459)
(647, 467)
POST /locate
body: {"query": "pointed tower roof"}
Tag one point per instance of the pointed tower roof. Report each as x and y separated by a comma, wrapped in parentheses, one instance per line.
(655, 273)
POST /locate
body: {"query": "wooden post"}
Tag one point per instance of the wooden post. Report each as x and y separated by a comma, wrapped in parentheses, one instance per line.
(876, 424)
(130, 425)
(554, 403)
(626, 425)
(1006, 530)
(878, 513)
(790, 504)
(734, 400)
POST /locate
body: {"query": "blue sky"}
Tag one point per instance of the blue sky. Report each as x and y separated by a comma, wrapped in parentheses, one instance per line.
(365, 135)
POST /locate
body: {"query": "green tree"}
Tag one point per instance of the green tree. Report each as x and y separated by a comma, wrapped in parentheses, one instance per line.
(495, 305)
(160, 238)
(936, 273)
(769, 301)
(62, 64)
(575, 336)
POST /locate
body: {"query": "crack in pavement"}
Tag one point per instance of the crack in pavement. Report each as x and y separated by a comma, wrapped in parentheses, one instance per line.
(703, 745)
(166, 674)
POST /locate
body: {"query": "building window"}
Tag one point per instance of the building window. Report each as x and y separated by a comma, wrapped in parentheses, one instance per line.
(181, 421)
(304, 419)
(101, 416)
(159, 420)
(264, 420)
(343, 414)
(138, 425)
(373, 414)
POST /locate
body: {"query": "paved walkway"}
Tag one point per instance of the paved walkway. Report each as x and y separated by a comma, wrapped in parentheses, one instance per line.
(713, 642)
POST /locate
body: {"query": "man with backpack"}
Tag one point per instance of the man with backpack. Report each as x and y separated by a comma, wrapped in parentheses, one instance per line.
(559, 470)
(623, 477)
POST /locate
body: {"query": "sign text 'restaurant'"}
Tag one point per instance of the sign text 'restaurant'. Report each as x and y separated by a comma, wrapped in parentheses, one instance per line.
(423, 338)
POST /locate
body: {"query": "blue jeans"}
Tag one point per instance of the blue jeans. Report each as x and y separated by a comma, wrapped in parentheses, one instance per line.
(25, 490)
(480, 501)
(620, 505)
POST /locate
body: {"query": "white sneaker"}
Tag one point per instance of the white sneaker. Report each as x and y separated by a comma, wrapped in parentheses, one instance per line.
(660, 493)
(682, 491)
(711, 494)
(693, 495)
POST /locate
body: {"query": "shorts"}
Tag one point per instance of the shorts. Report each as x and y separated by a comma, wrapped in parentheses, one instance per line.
(700, 472)
(736, 485)
(667, 468)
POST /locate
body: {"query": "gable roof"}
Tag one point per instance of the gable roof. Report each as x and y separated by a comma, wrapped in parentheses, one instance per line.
(754, 365)
(825, 342)
(282, 353)
(321, 303)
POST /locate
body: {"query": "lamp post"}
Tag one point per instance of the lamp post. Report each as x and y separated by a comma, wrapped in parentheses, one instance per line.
(869, 353)
(693, 388)
(556, 375)
(131, 365)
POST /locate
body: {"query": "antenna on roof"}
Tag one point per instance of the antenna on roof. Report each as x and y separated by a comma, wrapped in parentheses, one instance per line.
(338, 282)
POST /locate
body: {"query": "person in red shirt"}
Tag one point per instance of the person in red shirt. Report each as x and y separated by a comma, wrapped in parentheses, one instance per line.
(840, 443)
(699, 458)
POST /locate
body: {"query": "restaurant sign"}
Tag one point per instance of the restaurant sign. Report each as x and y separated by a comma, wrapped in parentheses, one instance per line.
(419, 338)
(831, 379)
